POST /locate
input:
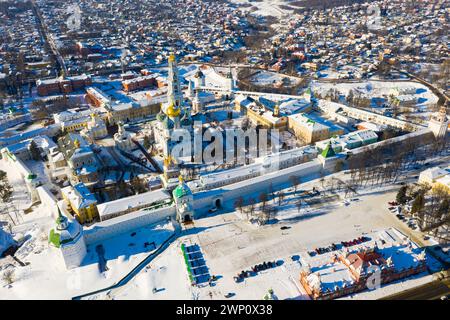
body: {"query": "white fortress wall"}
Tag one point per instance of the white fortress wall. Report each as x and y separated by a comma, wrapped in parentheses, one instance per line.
(112, 227)
(205, 200)
(48, 200)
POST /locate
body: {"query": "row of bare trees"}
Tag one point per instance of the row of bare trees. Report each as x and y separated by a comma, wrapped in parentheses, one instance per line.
(384, 163)
(261, 209)
(431, 207)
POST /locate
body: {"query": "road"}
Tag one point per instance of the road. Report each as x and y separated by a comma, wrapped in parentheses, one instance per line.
(49, 39)
(430, 291)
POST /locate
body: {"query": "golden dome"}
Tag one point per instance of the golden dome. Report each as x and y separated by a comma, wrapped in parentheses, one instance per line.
(172, 111)
(276, 110)
(172, 58)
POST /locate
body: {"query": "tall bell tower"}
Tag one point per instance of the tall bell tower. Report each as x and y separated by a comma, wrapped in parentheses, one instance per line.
(174, 89)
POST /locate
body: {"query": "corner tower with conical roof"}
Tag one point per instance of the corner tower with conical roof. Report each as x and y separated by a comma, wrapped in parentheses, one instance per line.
(68, 237)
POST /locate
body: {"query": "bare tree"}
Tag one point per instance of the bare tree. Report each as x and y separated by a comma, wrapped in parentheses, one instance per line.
(298, 204)
(295, 181)
(263, 199)
(239, 203)
(271, 191)
(280, 197)
(8, 276)
(251, 203)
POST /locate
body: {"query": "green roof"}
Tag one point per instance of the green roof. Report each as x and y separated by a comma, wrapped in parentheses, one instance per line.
(12, 109)
(181, 190)
(54, 238)
(328, 152)
(31, 176)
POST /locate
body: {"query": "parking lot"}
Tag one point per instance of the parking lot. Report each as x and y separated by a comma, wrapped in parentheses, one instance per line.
(231, 245)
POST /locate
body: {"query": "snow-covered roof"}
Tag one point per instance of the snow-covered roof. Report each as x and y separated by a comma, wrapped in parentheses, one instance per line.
(228, 175)
(79, 195)
(305, 121)
(432, 174)
(133, 202)
(292, 106)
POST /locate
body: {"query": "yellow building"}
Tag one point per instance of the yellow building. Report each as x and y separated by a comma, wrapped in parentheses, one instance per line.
(78, 124)
(262, 116)
(436, 177)
(81, 202)
(310, 130)
(126, 112)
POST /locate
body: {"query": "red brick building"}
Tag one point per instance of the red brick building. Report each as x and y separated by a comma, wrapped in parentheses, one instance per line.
(361, 265)
(139, 83)
(59, 85)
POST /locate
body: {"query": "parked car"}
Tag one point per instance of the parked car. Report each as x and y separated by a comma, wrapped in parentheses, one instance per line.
(229, 295)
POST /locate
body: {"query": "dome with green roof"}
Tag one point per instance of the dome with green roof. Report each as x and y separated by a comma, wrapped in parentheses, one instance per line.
(31, 176)
(181, 190)
(66, 231)
(161, 116)
(328, 152)
(168, 123)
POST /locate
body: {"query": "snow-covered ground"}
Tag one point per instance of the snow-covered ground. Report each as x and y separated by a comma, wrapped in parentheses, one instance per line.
(376, 89)
(267, 7)
(230, 244)
(46, 277)
(265, 78)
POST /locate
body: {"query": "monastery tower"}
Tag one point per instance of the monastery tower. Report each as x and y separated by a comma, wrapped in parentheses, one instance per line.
(439, 123)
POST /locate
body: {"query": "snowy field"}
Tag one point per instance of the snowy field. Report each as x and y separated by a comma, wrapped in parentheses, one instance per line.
(376, 89)
(45, 275)
(267, 7)
(265, 78)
